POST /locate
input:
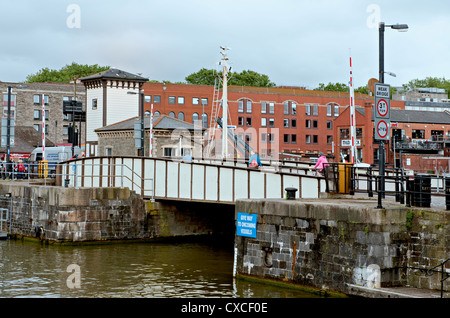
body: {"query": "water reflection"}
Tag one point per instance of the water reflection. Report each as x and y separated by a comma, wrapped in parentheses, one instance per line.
(126, 270)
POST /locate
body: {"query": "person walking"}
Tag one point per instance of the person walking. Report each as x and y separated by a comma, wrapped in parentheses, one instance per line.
(254, 161)
(322, 162)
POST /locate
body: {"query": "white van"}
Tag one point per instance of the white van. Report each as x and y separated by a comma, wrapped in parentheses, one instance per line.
(54, 155)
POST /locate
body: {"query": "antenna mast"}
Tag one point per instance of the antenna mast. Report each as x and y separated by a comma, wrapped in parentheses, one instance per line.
(224, 102)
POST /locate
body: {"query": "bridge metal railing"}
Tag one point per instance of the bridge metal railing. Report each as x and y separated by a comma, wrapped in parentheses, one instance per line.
(72, 173)
(202, 181)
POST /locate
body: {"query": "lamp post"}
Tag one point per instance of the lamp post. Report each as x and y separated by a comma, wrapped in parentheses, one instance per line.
(381, 29)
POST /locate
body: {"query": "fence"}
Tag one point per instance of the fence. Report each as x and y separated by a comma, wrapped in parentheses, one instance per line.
(410, 189)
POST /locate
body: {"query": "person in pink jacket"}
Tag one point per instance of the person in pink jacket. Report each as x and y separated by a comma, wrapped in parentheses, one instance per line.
(321, 163)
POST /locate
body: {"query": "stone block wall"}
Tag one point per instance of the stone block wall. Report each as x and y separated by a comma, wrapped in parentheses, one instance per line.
(327, 245)
(58, 214)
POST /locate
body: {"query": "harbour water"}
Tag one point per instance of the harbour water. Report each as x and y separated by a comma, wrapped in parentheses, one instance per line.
(134, 270)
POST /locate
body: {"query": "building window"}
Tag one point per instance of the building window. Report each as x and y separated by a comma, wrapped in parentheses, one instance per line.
(286, 108)
(94, 103)
(308, 123)
(180, 100)
(37, 99)
(344, 133)
(359, 133)
(195, 100)
(204, 120)
(37, 127)
(308, 110)
(169, 152)
(294, 139)
(263, 122)
(36, 114)
(308, 139)
(248, 121)
(418, 134)
(329, 140)
(286, 138)
(240, 106)
(108, 151)
(294, 109)
(195, 118)
(294, 123)
(240, 121)
(172, 114)
(157, 99)
(286, 123)
(329, 110)
(147, 113)
(315, 110)
(263, 108)
(329, 124)
(171, 99)
(181, 116)
(148, 98)
(315, 139)
(315, 124)
(336, 111)
(204, 101)
(157, 113)
(271, 122)
(271, 108)
(249, 106)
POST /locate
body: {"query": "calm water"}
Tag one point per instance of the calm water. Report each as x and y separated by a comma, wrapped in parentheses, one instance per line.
(126, 270)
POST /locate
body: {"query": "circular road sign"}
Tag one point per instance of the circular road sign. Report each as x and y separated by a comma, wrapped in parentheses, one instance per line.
(382, 107)
(382, 129)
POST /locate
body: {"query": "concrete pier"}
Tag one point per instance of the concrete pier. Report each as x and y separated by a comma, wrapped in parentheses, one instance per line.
(345, 245)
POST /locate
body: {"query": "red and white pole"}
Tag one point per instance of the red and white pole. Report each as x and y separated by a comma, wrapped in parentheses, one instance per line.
(352, 117)
(151, 132)
(43, 127)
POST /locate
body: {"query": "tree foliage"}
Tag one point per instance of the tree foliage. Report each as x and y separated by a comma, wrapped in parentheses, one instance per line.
(428, 82)
(340, 87)
(244, 78)
(65, 74)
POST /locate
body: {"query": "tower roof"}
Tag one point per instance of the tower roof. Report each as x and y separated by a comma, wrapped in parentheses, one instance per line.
(115, 74)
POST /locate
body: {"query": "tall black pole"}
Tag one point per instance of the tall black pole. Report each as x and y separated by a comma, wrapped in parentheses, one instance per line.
(141, 102)
(381, 147)
(8, 132)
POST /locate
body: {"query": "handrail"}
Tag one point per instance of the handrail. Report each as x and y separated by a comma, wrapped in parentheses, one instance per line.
(431, 271)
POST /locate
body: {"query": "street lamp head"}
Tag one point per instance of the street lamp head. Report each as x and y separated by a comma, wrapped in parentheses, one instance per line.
(403, 27)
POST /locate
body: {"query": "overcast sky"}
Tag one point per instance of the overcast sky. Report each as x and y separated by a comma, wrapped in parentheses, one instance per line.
(294, 42)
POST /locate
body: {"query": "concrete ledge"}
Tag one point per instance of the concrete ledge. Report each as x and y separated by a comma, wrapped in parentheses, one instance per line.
(393, 292)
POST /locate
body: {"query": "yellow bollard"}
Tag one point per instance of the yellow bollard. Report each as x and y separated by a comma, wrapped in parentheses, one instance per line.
(344, 177)
(43, 169)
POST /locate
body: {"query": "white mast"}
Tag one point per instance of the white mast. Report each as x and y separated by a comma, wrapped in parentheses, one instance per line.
(224, 103)
(352, 116)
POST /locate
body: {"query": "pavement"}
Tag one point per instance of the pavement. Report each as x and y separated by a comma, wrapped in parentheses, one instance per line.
(393, 292)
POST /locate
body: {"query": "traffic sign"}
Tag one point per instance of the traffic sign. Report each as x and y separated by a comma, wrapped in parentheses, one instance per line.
(383, 108)
(381, 129)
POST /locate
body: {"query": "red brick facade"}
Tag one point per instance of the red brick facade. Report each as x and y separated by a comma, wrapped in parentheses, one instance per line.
(302, 121)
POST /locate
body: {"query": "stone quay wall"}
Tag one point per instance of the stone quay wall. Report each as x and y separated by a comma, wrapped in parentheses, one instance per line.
(327, 244)
(69, 215)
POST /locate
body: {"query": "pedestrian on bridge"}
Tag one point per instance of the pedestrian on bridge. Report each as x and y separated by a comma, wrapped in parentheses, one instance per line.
(322, 162)
(254, 161)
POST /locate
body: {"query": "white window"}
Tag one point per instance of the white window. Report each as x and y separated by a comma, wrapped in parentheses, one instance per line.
(195, 100)
(263, 122)
(263, 107)
(180, 100)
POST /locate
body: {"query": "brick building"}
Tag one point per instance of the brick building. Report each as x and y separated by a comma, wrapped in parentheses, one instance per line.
(419, 139)
(273, 120)
(26, 107)
(171, 138)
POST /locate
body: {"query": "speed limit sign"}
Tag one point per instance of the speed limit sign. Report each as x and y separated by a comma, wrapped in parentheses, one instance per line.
(383, 108)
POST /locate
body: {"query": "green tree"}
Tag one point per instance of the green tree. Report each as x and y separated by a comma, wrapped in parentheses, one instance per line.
(428, 82)
(340, 87)
(65, 74)
(244, 78)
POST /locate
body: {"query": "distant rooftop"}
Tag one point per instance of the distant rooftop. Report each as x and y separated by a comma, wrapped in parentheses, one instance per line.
(415, 116)
(114, 73)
